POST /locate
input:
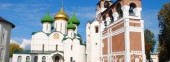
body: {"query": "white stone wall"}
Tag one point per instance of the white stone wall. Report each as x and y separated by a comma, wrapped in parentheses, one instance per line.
(38, 40)
(77, 52)
(93, 42)
(60, 25)
(23, 57)
(55, 41)
(46, 27)
(49, 42)
(5, 31)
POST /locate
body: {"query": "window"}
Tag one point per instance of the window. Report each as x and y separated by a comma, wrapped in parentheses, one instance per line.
(71, 34)
(19, 59)
(43, 59)
(96, 29)
(43, 47)
(106, 4)
(96, 43)
(3, 38)
(56, 25)
(0, 54)
(47, 27)
(119, 10)
(71, 47)
(71, 59)
(61, 27)
(56, 47)
(36, 59)
(28, 59)
(132, 6)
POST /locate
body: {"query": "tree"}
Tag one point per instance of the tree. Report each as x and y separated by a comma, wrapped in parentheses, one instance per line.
(164, 33)
(149, 43)
(14, 48)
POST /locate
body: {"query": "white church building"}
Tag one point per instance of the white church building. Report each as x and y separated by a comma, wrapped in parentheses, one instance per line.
(57, 42)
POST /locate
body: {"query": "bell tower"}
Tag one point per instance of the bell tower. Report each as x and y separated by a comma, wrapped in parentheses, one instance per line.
(123, 35)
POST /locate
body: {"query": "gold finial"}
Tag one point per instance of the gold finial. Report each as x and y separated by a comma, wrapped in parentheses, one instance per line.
(61, 14)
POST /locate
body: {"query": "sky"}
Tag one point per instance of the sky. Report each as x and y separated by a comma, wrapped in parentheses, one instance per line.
(26, 15)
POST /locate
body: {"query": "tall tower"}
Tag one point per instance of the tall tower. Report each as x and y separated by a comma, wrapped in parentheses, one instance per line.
(60, 22)
(123, 35)
(5, 34)
(46, 22)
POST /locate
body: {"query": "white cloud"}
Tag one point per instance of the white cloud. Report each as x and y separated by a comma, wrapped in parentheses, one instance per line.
(26, 43)
(13, 41)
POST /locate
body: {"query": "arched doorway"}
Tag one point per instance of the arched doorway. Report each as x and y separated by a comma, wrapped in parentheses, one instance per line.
(58, 58)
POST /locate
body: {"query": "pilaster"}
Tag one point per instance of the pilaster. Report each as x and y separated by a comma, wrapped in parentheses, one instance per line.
(137, 12)
(127, 41)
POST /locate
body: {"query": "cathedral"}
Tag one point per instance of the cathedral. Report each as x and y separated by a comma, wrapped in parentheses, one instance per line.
(116, 34)
(57, 42)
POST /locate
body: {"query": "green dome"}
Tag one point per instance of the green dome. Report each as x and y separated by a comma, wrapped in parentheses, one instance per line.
(47, 18)
(74, 20)
(71, 26)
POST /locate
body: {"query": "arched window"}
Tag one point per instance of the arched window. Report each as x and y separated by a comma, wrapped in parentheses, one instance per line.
(28, 59)
(119, 10)
(106, 4)
(111, 16)
(56, 25)
(36, 59)
(71, 47)
(56, 47)
(96, 29)
(43, 59)
(71, 59)
(61, 27)
(47, 27)
(43, 47)
(132, 6)
(19, 59)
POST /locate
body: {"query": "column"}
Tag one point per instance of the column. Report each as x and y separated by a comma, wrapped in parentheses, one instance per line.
(125, 10)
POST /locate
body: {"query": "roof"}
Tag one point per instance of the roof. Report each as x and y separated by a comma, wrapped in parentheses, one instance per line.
(71, 26)
(5, 21)
(37, 52)
(81, 41)
(61, 15)
(47, 18)
(74, 19)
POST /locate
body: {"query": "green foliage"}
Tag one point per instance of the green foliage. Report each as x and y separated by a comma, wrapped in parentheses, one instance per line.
(149, 43)
(14, 48)
(164, 35)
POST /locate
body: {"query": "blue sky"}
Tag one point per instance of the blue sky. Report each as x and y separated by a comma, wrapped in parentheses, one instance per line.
(26, 14)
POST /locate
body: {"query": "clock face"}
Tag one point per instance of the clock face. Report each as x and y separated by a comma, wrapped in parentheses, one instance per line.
(56, 36)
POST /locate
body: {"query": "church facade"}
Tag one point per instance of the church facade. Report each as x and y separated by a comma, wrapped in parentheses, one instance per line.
(57, 42)
(117, 32)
